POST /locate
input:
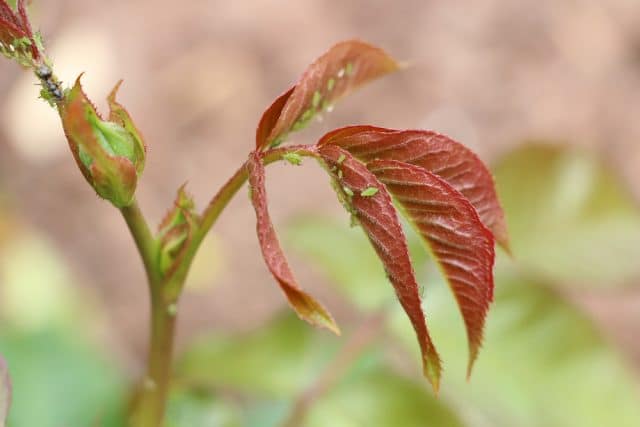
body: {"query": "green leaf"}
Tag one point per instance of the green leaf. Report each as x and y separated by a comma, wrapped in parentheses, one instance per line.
(543, 364)
(276, 360)
(265, 370)
(380, 398)
(190, 409)
(60, 379)
(569, 216)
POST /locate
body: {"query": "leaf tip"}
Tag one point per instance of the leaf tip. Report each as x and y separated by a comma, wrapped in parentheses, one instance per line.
(310, 310)
(432, 369)
(473, 355)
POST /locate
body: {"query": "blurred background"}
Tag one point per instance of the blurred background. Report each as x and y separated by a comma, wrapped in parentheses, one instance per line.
(547, 92)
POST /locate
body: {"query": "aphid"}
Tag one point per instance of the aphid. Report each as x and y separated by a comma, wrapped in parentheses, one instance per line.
(44, 72)
(49, 82)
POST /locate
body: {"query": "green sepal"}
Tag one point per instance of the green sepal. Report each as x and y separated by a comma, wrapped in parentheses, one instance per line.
(176, 231)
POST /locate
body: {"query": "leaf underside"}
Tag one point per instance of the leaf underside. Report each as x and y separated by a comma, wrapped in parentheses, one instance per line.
(377, 216)
(438, 154)
(460, 243)
(340, 70)
(304, 305)
(415, 167)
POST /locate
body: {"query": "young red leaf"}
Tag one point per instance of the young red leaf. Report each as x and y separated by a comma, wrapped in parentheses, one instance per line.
(304, 305)
(15, 29)
(341, 69)
(438, 154)
(461, 244)
(376, 214)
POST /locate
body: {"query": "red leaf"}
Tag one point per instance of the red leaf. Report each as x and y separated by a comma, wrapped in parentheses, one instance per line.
(462, 245)
(270, 118)
(304, 305)
(438, 154)
(16, 25)
(377, 215)
(341, 69)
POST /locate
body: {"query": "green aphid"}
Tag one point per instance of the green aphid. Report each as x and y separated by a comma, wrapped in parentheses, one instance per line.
(349, 69)
(293, 158)
(369, 192)
(341, 158)
(304, 119)
(172, 310)
(347, 191)
(331, 84)
(317, 97)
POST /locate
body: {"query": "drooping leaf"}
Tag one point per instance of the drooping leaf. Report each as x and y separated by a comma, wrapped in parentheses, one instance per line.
(340, 70)
(461, 244)
(5, 392)
(571, 217)
(304, 305)
(378, 218)
(438, 154)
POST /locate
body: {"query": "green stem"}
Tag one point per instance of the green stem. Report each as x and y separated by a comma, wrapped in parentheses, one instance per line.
(150, 403)
(147, 245)
(149, 407)
(218, 204)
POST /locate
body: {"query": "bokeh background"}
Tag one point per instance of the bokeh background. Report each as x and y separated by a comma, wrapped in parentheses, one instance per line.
(547, 92)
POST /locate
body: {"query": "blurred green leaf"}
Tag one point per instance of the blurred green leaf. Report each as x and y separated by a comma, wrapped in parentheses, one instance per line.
(198, 407)
(276, 360)
(259, 376)
(34, 298)
(569, 216)
(380, 398)
(191, 409)
(60, 380)
(348, 259)
(60, 377)
(543, 362)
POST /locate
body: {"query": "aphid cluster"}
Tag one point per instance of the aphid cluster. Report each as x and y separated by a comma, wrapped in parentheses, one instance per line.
(50, 84)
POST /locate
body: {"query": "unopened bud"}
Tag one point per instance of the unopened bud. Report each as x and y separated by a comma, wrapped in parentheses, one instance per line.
(110, 153)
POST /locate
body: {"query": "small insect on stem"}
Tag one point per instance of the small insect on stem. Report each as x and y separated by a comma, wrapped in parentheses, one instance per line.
(44, 72)
(49, 82)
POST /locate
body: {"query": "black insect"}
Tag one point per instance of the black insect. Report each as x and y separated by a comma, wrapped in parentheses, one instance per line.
(49, 82)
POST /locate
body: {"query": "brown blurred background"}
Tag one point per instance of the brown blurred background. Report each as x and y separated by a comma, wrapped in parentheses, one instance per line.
(199, 74)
